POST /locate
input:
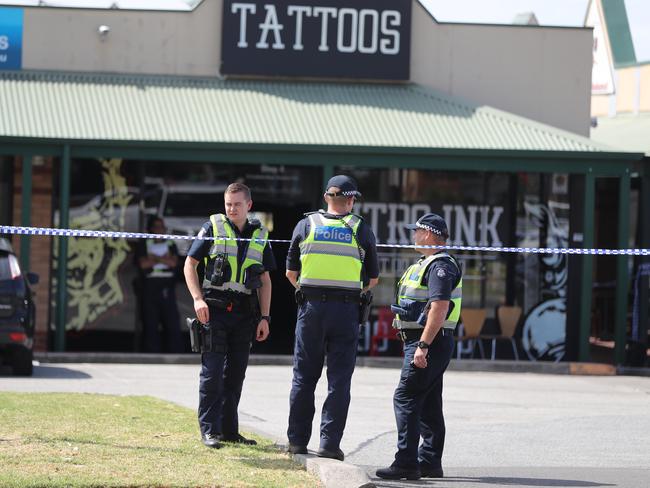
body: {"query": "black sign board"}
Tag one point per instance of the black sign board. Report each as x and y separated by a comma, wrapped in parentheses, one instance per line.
(354, 39)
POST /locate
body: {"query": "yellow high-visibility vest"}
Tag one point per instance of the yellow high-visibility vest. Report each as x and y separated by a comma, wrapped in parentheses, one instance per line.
(330, 256)
(412, 292)
(225, 242)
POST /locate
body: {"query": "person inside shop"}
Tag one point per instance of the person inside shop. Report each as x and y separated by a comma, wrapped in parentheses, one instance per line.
(330, 254)
(157, 260)
(234, 302)
(428, 308)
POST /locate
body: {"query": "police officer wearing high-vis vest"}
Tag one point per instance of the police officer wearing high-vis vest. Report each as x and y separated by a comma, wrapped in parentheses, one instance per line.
(332, 262)
(428, 308)
(157, 260)
(234, 303)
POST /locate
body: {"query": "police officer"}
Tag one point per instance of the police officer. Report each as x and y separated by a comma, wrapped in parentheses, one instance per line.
(429, 300)
(234, 300)
(157, 260)
(331, 257)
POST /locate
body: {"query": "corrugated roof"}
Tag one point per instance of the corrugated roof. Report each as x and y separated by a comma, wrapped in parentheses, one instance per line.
(628, 132)
(155, 108)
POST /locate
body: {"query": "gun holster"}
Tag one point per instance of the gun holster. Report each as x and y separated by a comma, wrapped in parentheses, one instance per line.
(364, 307)
(300, 296)
(200, 336)
(408, 314)
(397, 310)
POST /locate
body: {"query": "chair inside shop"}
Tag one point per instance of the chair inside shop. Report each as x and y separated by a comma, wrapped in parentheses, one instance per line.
(508, 317)
(385, 330)
(472, 320)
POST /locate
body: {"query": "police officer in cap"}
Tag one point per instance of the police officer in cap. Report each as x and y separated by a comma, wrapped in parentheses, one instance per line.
(234, 300)
(428, 308)
(331, 260)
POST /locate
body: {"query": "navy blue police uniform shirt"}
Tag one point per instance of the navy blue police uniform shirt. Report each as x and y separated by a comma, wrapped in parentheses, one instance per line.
(365, 238)
(201, 247)
(442, 278)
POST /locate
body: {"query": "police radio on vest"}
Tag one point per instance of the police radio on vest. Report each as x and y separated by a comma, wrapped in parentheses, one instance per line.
(366, 31)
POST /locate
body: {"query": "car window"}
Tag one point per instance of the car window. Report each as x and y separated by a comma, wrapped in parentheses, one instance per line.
(9, 267)
(5, 271)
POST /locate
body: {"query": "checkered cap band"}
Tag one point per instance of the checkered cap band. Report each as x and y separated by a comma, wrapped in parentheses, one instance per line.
(430, 229)
(352, 193)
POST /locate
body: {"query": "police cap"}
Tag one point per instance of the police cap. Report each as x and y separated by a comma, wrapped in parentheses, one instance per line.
(431, 222)
(346, 185)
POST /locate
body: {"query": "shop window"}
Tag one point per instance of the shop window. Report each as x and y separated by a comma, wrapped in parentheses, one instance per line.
(475, 207)
(541, 283)
(120, 195)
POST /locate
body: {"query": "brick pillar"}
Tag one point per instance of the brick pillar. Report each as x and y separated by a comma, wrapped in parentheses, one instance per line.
(41, 247)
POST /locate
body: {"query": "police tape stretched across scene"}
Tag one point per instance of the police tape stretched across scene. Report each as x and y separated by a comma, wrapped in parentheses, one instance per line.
(54, 232)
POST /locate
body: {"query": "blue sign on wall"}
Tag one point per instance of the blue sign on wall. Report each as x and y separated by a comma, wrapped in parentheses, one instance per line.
(11, 38)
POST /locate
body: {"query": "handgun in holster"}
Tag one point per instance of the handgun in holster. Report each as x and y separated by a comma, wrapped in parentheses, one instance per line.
(200, 336)
(365, 303)
(300, 296)
(409, 315)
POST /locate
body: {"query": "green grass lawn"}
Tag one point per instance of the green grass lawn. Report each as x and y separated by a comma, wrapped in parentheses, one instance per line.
(71, 439)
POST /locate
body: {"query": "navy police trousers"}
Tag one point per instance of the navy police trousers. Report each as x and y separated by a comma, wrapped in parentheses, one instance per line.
(324, 329)
(223, 372)
(418, 404)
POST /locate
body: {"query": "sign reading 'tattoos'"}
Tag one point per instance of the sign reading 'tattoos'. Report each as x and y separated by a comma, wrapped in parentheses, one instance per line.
(353, 39)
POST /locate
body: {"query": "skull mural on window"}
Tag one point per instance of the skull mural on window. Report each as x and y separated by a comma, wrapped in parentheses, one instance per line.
(544, 330)
(92, 277)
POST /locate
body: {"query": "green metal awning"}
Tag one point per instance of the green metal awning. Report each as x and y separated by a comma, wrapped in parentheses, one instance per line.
(106, 107)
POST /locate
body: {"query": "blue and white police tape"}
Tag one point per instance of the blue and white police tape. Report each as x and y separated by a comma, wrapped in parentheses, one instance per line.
(108, 234)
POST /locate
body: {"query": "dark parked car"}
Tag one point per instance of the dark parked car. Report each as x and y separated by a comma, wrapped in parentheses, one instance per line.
(17, 312)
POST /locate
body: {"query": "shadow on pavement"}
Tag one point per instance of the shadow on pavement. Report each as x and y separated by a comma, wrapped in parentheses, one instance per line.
(58, 372)
(489, 481)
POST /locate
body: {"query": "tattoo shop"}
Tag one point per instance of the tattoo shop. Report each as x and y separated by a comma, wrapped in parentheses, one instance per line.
(104, 151)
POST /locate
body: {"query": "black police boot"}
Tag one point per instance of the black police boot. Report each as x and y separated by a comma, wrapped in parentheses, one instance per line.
(397, 473)
(335, 454)
(429, 471)
(237, 439)
(296, 449)
(211, 440)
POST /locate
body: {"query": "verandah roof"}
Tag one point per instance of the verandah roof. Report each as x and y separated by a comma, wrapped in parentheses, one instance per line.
(112, 107)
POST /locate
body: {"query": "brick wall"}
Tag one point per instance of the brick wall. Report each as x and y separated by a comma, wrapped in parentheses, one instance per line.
(41, 247)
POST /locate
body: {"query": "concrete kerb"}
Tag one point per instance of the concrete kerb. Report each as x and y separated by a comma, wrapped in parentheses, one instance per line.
(498, 366)
(332, 473)
(335, 474)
